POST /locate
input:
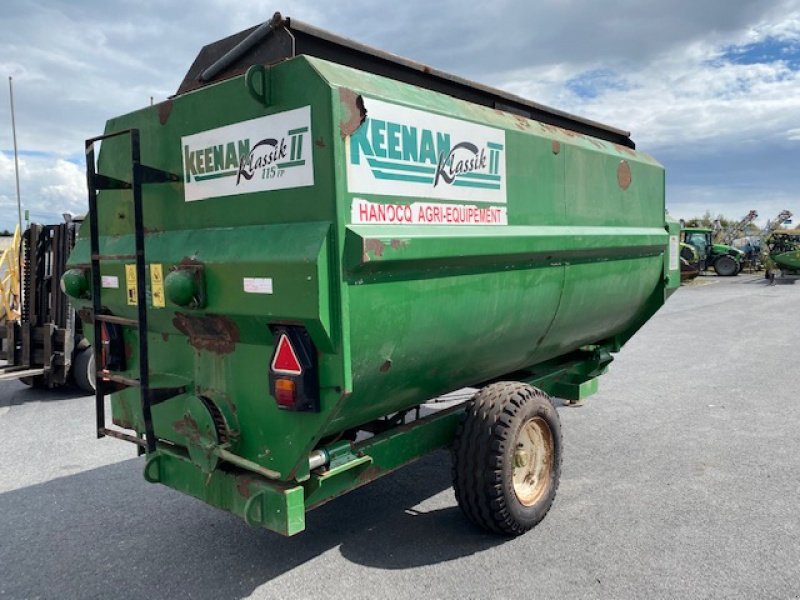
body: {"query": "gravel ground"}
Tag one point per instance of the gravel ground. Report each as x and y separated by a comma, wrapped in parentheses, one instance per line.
(681, 479)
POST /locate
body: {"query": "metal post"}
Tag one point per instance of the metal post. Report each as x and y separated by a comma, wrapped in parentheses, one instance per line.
(16, 159)
(97, 306)
(141, 290)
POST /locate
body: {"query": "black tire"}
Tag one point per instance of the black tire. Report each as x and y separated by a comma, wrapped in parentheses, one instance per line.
(726, 266)
(486, 458)
(83, 370)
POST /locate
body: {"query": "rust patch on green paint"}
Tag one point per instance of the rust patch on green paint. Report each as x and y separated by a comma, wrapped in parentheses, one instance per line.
(354, 112)
(243, 485)
(556, 146)
(369, 474)
(397, 244)
(522, 122)
(187, 427)
(164, 111)
(374, 247)
(215, 333)
(624, 149)
(624, 176)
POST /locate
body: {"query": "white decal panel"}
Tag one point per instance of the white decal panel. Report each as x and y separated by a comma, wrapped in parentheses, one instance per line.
(109, 281)
(401, 151)
(257, 285)
(674, 253)
(259, 155)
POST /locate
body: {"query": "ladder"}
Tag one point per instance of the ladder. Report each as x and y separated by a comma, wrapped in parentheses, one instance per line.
(107, 381)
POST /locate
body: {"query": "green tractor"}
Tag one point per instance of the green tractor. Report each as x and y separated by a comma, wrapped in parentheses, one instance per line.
(725, 260)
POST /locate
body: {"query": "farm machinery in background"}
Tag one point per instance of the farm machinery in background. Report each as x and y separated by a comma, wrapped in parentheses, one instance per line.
(9, 280)
(781, 248)
(712, 248)
(728, 235)
(699, 252)
(690, 260)
(41, 337)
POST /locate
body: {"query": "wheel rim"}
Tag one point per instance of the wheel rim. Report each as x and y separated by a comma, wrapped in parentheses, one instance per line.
(92, 371)
(533, 461)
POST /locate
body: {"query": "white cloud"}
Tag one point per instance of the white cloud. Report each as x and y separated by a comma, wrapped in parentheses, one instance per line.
(49, 187)
(688, 96)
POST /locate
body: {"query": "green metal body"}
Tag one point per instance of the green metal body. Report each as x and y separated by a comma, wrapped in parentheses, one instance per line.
(398, 313)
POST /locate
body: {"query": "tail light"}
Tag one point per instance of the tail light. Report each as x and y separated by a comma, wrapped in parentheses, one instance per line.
(293, 373)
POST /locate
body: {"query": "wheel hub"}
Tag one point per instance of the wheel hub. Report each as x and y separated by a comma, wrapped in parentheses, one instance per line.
(533, 461)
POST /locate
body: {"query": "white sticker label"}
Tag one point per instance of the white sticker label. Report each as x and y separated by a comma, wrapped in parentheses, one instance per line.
(258, 285)
(110, 281)
(674, 253)
(425, 213)
(399, 151)
(263, 154)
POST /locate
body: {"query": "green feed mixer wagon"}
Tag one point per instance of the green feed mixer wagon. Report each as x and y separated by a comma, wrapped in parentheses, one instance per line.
(287, 259)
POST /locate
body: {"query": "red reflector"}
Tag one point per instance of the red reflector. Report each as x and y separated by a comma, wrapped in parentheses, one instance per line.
(285, 360)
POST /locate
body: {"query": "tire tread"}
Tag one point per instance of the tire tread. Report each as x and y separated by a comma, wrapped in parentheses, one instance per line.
(480, 446)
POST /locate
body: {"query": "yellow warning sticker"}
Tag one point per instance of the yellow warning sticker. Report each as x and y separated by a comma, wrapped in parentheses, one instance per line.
(130, 284)
(157, 285)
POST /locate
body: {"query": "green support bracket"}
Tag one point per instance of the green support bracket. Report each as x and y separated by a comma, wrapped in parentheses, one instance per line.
(575, 392)
(274, 505)
(384, 453)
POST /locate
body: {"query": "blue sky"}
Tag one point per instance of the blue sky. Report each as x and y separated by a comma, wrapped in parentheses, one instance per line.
(711, 90)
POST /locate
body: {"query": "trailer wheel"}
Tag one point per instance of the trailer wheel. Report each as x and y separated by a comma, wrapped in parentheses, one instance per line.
(83, 370)
(507, 458)
(725, 266)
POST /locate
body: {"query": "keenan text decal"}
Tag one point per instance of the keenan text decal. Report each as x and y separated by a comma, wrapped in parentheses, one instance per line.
(401, 151)
(263, 154)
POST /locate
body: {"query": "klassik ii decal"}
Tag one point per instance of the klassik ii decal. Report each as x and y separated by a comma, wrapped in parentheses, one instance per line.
(263, 154)
(400, 151)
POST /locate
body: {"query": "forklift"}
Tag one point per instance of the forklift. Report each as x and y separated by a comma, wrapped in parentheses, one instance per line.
(45, 347)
